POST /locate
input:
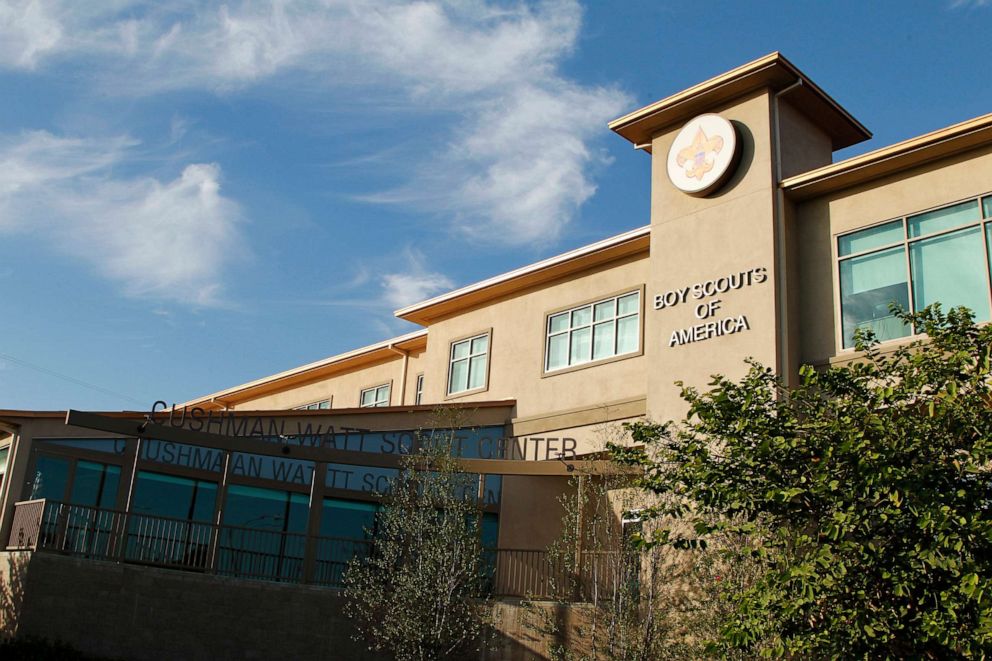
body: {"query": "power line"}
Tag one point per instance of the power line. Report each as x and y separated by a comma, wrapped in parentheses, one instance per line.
(70, 379)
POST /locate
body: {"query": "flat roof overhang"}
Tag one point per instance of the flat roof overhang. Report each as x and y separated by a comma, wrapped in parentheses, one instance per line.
(773, 71)
(321, 369)
(893, 159)
(581, 259)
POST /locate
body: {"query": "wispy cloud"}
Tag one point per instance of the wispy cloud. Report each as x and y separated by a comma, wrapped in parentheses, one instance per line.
(414, 283)
(167, 241)
(970, 3)
(520, 158)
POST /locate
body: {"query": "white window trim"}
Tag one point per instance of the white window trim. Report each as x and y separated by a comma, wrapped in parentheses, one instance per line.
(468, 359)
(418, 396)
(315, 406)
(376, 401)
(548, 334)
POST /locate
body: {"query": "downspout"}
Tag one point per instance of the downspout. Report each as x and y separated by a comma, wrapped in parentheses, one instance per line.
(784, 353)
(406, 364)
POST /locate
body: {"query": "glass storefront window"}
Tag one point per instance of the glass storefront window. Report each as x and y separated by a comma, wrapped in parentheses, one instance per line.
(268, 509)
(51, 478)
(95, 484)
(172, 496)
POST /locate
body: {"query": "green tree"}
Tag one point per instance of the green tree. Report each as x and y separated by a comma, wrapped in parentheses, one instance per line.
(865, 492)
(422, 592)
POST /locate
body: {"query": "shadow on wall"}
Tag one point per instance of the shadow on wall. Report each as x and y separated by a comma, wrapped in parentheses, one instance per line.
(12, 579)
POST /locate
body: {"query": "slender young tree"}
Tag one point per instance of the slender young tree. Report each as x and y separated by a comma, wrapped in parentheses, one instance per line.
(421, 594)
(865, 492)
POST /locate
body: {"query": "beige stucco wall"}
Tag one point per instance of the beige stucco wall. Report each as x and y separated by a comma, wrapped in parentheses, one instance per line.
(343, 389)
(820, 220)
(697, 239)
(516, 357)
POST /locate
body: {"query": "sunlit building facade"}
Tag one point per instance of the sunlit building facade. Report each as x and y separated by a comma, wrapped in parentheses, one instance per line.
(759, 245)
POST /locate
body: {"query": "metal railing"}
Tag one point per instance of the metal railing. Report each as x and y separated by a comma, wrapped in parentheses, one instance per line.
(255, 553)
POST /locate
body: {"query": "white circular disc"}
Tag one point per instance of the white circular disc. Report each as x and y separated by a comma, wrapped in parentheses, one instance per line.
(703, 154)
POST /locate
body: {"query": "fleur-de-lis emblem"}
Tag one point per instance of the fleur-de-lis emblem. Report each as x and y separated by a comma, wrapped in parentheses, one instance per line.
(698, 158)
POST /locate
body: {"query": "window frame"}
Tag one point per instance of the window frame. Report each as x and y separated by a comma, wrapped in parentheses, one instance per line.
(983, 223)
(314, 406)
(488, 334)
(389, 395)
(591, 303)
(418, 390)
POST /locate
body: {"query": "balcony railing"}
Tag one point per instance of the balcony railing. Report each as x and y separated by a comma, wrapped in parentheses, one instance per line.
(253, 553)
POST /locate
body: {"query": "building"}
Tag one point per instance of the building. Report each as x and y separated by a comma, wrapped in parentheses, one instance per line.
(759, 245)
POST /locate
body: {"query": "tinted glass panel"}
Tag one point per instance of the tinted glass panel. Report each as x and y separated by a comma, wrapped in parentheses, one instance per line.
(987, 203)
(95, 485)
(347, 518)
(480, 344)
(951, 269)
(51, 476)
(157, 494)
(557, 323)
(868, 285)
(873, 237)
(943, 219)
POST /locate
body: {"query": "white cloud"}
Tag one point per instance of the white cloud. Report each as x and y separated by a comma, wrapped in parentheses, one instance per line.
(27, 32)
(520, 160)
(166, 241)
(413, 284)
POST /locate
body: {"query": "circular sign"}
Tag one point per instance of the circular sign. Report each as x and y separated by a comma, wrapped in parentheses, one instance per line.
(703, 155)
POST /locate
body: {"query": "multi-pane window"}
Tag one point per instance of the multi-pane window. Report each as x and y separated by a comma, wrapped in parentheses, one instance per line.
(936, 256)
(375, 396)
(313, 406)
(596, 331)
(468, 363)
(420, 390)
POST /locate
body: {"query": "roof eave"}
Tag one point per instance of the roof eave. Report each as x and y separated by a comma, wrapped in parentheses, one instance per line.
(772, 71)
(901, 156)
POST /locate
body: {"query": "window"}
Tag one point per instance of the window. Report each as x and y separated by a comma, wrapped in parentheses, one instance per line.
(419, 397)
(468, 363)
(939, 255)
(4, 456)
(313, 406)
(596, 331)
(375, 396)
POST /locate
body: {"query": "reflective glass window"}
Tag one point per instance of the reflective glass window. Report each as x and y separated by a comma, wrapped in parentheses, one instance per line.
(944, 270)
(871, 238)
(95, 484)
(869, 284)
(946, 218)
(51, 477)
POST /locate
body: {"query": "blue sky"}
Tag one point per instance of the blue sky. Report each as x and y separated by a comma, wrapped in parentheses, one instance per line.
(196, 194)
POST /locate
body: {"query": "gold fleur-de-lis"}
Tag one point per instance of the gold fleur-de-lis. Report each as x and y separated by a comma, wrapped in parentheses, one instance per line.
(698, 158)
